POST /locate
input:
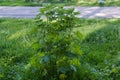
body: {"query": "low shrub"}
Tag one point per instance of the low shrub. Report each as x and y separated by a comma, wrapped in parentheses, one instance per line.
(57, 46)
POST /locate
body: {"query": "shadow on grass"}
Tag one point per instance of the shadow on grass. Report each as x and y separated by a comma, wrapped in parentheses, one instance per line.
(101, 48)
(103, 45)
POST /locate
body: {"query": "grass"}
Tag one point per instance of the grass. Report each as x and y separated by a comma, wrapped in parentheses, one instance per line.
(12, 36)
(19, 3)
(15, 47)
(101, 38)
(78, 3)
(100, 45)
(95, 3)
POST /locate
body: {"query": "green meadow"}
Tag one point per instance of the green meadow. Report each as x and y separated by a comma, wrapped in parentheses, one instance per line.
(100, 45)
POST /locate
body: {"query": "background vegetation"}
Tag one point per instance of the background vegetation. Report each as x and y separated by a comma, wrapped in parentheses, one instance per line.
(57, 2)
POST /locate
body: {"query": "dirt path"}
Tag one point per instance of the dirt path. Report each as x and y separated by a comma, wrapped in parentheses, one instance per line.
(86, 12)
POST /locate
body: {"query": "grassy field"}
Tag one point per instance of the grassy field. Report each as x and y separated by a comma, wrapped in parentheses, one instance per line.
(18, 3)
(100, 45)
(78, 3)
(95, 3)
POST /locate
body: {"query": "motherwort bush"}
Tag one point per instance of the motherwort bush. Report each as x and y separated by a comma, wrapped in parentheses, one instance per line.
(57, 46)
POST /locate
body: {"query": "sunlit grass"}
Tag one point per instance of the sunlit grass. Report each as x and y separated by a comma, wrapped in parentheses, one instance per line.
(19, 3)
(95, 3)
(14, 36)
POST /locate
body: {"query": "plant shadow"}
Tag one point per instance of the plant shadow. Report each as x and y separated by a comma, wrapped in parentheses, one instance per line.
(102, 45)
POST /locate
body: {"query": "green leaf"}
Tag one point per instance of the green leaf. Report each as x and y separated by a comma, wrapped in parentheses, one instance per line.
(1, 75)
(62, 70)
(73, 68)
(45, 59)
